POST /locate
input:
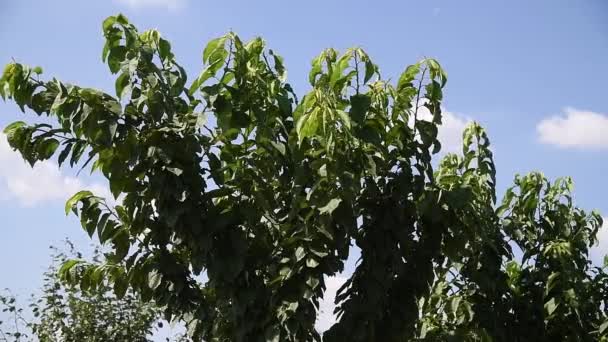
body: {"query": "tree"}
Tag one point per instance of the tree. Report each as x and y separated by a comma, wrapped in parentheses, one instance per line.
(232, 226)
(68, 313)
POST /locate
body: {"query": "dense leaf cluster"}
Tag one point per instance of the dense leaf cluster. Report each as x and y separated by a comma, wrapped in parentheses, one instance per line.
(234, 228)
(69, 314)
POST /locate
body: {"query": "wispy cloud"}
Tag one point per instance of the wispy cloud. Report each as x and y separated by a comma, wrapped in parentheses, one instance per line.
(42, 183)
(575, 129)
(162, 4)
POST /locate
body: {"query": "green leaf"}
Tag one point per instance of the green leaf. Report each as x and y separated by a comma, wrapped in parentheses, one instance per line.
(71, 203)
(10, 129)
(120, 287)
(154, 279)
(330, 206)
(207, 73)
(308, 124)
(107, 232)
(108, 23)
(359, 106)
(603, 327)
(164, 50)
(433, 92)
(64, 154)
(312, 282)
(66, 268)
(551, 282)
(436, 71)
(300, 253)
(101, 225)
(316, 69)
(370, 70)
(279, 66)
(122, 84)
(123, 215)
(121, 244)
(279, 147)
(116, 56)
(255, 46)
(323, 170)
(195, 86)
(47, 148)
(338, 69)
(175, 170)
(454, 304)
(408, 75)
(550, 306)
(428, 132)
(311, 263)
(216, 165)
(212, 46)
(77, 151)
(224, 111)
(344, 118)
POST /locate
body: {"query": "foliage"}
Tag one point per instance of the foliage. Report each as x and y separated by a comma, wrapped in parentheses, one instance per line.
(68, 313)
(12, 327)
(234, 228)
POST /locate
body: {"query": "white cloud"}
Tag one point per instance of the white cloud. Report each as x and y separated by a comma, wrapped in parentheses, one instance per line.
(326, 317)
(450, 130)
(167, 4)
(42, 183)
(598, 252)
(577, 129)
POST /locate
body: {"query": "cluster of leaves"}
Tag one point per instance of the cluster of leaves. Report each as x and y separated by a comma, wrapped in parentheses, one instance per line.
(12, 327)
(233, 228)
(72, 313)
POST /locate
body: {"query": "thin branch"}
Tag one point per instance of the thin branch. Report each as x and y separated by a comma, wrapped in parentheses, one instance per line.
(210, 131)
(356, 54)
(39, 83)
(86, 163)
(54, 134)
(230, 54)
(418, 99)
(268, 65)
(112, 212)
(16, 321)
(3, 335)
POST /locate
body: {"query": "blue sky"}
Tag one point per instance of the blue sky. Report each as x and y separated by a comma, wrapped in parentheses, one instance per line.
(532, 72)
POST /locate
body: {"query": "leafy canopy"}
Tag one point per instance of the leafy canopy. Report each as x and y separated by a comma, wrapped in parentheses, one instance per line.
(66, 313)
(233, 227)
